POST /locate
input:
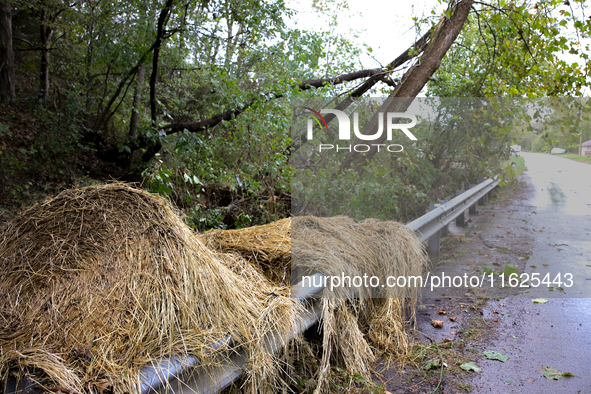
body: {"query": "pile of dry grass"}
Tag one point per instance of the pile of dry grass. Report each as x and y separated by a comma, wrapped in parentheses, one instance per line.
(337, 245)
(361, 323)
(356, 325)
(98, 281)
(267, 247)
(453, 239)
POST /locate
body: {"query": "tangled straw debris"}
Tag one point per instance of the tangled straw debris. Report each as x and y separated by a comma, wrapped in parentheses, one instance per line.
(366, 322)
(356, 325)
(97, 282)
(268, 247)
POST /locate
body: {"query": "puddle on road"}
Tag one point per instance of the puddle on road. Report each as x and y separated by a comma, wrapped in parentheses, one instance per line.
(557, 196)
(553, 197)
(557, 184)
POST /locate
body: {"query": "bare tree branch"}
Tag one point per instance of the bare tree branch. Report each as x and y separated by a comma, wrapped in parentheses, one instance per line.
(375, 75)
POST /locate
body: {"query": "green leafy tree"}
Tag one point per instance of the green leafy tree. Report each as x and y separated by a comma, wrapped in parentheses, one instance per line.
(513, 49)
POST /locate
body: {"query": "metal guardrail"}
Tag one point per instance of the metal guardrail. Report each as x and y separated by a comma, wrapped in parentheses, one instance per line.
(179, 374)
(427, 227)
(430, 225)
(441, 215)
(183, 374)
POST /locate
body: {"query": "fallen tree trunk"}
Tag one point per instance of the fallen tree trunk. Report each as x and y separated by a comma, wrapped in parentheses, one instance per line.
(430, 49)
(413, 81)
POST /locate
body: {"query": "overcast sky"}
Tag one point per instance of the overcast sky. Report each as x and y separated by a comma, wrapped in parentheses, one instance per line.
(384, 25)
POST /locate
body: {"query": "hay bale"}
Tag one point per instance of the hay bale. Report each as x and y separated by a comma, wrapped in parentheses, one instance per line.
(98, 281)
(337, 245)
(267, 247)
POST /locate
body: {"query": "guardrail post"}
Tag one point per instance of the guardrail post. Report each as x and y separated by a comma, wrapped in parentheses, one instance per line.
(472, 210)
(445, 230)
(461, 220)
(484, 199)
(433, 248)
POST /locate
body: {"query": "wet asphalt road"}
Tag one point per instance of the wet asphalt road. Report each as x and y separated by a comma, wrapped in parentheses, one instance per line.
(557, 213)
(562, 202)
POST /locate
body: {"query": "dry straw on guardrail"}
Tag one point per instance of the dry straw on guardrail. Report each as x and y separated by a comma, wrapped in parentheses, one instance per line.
(368, 319)
(98, 281)
(267, 247)
(355, 325)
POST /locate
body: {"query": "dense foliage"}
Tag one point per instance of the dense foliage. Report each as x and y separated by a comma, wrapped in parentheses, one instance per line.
(459, 141)
(193, 100)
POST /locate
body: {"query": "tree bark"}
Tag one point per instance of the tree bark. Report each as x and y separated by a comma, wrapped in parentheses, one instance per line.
(45, 37)
(7, 92)
(153, 146)
(162, 21)
(136, 102)
(413, 81)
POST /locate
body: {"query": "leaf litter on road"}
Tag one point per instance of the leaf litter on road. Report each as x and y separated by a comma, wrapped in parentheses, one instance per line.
(471, 366)
(434, 364)
(510, 269)
(492, 355)
(540, 300)
(554, 374)
(437, 323)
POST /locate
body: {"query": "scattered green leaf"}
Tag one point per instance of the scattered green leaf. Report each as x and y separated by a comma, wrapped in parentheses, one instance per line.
(492, 355)
(471, 366)
(554, 374)
(509, 270)
(436, 363)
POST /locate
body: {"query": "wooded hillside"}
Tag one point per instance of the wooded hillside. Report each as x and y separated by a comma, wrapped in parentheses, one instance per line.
(192, 98)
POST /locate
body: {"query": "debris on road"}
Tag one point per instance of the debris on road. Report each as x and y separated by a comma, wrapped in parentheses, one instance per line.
(492, 355)
(554, 374)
